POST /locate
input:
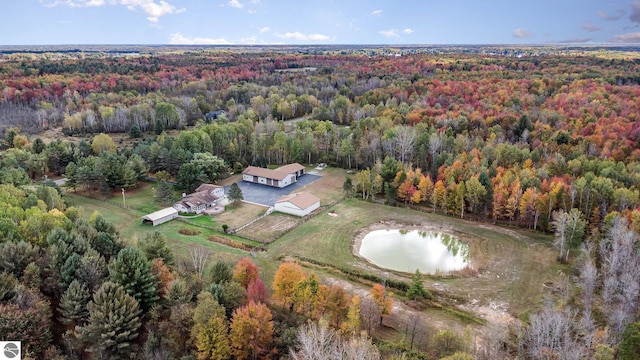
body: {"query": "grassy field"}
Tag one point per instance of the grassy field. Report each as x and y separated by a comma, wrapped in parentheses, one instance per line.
(129, 224)
(329, 187)
(270, 227)
(240, 214)
(513, 267)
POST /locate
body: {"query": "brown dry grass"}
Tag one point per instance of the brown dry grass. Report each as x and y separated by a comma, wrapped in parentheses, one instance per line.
(239, 214)
(329, 187)
(270, 227)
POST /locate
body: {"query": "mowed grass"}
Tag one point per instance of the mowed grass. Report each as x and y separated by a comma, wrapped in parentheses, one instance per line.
(329, 187)
(234, 216)
(270, 227)
(239, 214)
(513, 267)
(129, 224)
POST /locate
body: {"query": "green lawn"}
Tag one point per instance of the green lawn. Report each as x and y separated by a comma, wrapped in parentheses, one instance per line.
(513, 266)
(129, 224)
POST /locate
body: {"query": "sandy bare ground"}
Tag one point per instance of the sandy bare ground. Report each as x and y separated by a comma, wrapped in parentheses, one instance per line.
(493, 308)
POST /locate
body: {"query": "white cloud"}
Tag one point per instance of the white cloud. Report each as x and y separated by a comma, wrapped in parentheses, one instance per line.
(575, 41)
(73, 3)
(605, 16)
(236, 4)
(521, 33)
(265, 29)
(591, 28)
(407, 31)
(376, 13)
(252, 40)
(303, 37)
(154, 9)
(179, 39)
(633, 38)
(635, 12)
(391, 33)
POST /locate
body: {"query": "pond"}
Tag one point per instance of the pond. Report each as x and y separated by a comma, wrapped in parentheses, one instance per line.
(408, 250)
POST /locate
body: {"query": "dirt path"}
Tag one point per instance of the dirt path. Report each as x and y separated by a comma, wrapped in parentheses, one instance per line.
(507, 280)
(430, 322)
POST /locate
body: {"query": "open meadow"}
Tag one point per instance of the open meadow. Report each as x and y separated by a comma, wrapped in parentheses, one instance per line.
(511, 270)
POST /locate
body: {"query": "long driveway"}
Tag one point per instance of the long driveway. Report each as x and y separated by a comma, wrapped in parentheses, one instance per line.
(268, 195)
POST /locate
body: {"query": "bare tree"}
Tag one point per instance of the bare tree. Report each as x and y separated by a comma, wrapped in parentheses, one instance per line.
(369, 314)
(620, 275)
(559, 225)
(320, 342)
(199, 257)
(551, 336)
(314, 342)
(415, 328)
(435, 144)
(588, 277)
(358, 348)
(492, 340)
(405, 142)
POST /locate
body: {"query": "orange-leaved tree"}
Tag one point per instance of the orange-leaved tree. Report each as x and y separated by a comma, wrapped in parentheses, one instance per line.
(245, 272)
(285, 282)
(383, 299)
(251, 332)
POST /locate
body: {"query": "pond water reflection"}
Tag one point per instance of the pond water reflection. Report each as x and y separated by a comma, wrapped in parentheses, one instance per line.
(408, 250)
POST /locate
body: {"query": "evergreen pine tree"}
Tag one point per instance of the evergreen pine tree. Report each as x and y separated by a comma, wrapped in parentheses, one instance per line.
(132, 270)
(68, 270)
(114, 321)
(164, 192)
(347, 186)
(7, 286)
(416, 288)
(154, 246)
(235, 193)
(73, 304)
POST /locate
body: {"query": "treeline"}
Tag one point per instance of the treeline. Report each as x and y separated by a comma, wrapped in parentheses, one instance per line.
(72, 288)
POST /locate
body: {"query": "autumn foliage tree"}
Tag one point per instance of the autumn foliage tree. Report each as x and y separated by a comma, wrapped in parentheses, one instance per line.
(285, 281)
(383, 299)
(257, 292)
(251, 332)
(210, 330)
(245, 272)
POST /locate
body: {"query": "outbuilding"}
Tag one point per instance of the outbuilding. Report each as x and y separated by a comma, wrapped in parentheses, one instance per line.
(280, 177)
(298, 204)
(160, 216)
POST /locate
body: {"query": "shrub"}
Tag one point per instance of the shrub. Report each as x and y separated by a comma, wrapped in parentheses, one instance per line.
(188, 231)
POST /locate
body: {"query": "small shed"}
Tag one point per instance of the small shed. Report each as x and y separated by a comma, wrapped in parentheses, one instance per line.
(298, 204)
(160, 216)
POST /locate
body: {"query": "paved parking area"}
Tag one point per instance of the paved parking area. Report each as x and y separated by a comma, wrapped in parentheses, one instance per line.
(268, 195)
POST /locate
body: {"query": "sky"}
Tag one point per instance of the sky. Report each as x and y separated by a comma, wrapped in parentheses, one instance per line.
(266, 22)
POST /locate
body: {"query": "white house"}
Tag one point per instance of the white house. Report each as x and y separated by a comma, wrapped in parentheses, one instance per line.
(205, 197)
(299, 204)
(160, 216)
(280, 177)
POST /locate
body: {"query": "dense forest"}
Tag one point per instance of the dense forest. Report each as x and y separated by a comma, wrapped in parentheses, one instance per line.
(545, 139)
